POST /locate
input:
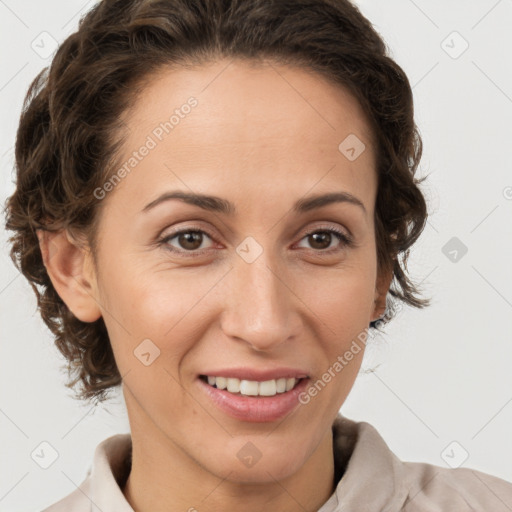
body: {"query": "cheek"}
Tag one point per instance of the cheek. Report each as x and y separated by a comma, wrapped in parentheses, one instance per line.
(342, 298)
(161, 305)
(346, 312)
(342, 303)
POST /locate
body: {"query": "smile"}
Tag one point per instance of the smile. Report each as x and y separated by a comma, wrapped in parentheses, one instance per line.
(246, 400)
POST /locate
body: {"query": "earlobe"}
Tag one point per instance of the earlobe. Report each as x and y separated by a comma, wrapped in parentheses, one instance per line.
(381, 292)
(69, 266)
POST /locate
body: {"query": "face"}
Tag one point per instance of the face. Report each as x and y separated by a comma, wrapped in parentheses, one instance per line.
(259, 286)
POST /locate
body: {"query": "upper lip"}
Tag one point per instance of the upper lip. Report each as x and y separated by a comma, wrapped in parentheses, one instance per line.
(257, 375)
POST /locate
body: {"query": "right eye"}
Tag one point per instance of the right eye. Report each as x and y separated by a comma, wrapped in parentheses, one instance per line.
(188, 240)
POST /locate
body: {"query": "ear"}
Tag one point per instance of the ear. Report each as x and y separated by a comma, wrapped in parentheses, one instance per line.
(70, 268)
(381, 290)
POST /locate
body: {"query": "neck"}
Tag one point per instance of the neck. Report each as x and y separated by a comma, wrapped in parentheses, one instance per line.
(164, 478)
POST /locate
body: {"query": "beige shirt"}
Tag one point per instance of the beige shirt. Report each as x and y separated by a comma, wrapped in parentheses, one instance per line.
(374, 480)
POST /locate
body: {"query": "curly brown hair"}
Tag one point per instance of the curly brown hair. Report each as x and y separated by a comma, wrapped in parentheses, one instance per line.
(70, 130)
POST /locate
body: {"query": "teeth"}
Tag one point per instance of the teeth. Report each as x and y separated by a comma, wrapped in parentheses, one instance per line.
(267, 388)
(248, 387)
(233, 385)
(290, 383)
(252, 387)
(281, 385)
(221, 382)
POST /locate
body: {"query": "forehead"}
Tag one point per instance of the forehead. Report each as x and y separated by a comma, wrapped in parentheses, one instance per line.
(261, 125)
(233, 91)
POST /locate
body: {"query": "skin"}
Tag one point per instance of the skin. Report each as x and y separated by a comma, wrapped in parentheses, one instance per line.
(262, 136)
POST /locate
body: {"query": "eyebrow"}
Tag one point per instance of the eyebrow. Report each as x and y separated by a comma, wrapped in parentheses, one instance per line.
(220, 205)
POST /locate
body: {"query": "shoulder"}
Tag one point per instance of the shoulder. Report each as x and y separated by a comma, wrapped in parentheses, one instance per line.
(101, 488)
(435, 488)
(375, 479)
(77, 501)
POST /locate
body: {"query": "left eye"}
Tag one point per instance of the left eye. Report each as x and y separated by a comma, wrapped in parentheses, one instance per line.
(321, 236)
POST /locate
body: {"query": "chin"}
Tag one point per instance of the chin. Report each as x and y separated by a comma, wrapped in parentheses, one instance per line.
(254, 461)
(263, 472)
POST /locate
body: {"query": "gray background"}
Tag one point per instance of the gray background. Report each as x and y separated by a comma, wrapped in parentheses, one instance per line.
(442, 375)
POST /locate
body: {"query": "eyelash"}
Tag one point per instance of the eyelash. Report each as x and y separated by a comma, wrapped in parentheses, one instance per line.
(347, 241)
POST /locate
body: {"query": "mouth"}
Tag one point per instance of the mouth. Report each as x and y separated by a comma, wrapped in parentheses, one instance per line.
(253, 400)
(243, 387)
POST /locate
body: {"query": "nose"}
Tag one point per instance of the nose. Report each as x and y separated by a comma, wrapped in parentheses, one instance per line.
(260, 306)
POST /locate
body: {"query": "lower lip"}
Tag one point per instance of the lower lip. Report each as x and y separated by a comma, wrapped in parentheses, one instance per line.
(255, 408)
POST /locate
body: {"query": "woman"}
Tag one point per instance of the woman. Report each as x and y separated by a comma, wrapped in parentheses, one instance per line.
(214, 198)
